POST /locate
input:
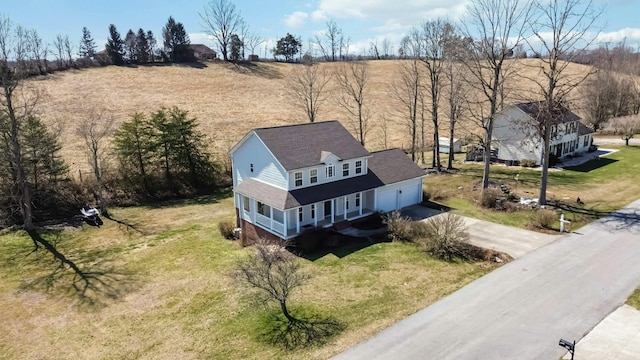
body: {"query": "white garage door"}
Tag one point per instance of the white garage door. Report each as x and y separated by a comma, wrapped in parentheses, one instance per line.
(410, 194)
(397, 196)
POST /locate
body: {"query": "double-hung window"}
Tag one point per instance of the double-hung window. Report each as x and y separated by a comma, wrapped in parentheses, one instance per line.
(298, 178)
(313, 176)
(345, 169)
(359, 167)
(330, 171)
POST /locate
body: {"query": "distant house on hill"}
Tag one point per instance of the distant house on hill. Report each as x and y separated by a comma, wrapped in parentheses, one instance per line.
(203, 52)
(516, 138)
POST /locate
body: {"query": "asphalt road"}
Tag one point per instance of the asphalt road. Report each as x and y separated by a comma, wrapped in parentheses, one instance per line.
(521, 310)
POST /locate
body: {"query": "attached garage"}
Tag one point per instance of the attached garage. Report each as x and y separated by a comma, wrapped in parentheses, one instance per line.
(399, 195)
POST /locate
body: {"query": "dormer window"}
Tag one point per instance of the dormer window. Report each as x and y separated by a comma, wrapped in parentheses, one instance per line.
(313, 176)
(330, 171)
(298, 178)
(345, 169)
(359, 167)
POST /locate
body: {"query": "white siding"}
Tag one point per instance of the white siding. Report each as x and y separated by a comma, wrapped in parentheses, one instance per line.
(322, 178)
(514, 138)
(265, 166)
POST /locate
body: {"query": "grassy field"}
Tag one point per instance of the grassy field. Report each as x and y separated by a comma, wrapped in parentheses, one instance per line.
(166, 292)
(229, 99)
(604, 185)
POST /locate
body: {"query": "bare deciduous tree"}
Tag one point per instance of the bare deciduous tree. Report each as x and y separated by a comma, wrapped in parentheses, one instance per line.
(434, 35)
(330, 41)
(252, 41)
(305, 87)
(627, 127)
(274, 272)
(352, 78)
(498, 25)
(408, 90)
(15, 107)
(570, 25)
(221, 19)
(94, 131)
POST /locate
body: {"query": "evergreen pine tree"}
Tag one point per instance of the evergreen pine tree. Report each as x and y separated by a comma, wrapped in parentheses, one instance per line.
(115, 46)
(87, 47)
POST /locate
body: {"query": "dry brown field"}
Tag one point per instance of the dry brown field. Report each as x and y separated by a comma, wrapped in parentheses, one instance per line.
(229, 100)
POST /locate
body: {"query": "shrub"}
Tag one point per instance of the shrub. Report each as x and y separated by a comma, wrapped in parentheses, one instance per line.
(445, 237)
(226, 229)
(490, 198)
(528, 163)
(543, 219)
(399, 228)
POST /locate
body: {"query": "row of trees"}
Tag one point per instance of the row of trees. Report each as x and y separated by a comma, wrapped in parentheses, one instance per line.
(140, 47)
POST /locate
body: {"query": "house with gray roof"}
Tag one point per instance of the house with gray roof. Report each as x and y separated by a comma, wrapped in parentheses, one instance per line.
(516, 138)
(287, 179)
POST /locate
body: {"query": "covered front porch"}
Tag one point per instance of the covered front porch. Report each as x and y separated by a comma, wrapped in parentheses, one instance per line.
(294, 221)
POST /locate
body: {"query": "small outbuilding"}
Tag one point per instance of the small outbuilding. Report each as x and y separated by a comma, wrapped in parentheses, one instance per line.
(444, 145)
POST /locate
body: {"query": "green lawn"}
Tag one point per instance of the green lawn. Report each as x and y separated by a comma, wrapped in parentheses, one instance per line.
(166, 293)
(604, 185)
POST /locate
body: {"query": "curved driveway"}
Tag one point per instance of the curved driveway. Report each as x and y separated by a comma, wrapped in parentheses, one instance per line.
(521, 310)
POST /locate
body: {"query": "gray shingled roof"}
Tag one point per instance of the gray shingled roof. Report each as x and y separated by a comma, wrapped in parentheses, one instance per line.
(583, 129)
(531, 109)
(300, 146)
(385, 167)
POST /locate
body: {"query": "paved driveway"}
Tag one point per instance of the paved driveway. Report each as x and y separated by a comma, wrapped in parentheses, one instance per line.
(522, 309)
(511, 240)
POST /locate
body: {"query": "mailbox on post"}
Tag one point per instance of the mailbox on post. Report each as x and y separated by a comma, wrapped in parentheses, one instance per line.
(569, 346)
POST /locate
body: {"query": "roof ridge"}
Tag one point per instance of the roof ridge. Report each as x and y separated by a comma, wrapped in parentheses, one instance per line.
(293, 125)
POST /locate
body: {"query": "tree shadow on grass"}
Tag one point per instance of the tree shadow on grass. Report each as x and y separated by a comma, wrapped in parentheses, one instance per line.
(93, 281)
(212, 198)
(256, 69)
(308, 329)
(592, 165)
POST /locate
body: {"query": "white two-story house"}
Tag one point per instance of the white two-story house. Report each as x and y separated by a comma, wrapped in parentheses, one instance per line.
(290, 178)
(515, 137)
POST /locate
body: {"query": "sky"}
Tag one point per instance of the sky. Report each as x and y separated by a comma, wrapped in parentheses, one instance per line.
(363, 21)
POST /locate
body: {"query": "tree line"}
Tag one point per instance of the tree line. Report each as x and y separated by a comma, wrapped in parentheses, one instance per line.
(153, 156)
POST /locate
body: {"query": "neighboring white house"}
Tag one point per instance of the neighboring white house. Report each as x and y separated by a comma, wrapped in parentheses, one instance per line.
(515, 137)
(444, 145)
(289, 178)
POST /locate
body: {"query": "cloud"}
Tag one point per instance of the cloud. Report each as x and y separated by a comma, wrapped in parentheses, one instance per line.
(296, 19)
(319, 16)
(630, 35)
(404, 12)
(201, 38)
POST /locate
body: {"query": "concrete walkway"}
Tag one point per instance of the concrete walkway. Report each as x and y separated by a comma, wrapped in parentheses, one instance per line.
(617, 337)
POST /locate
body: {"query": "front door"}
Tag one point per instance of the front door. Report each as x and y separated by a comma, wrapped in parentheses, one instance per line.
(327, 209)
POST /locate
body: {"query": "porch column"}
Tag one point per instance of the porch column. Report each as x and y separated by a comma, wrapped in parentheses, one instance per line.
(315, 214)
(284, 221)
(270, 218)
(333, 214)
(361, 201)
(253, 204)
(344, 206)
(298, 220)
